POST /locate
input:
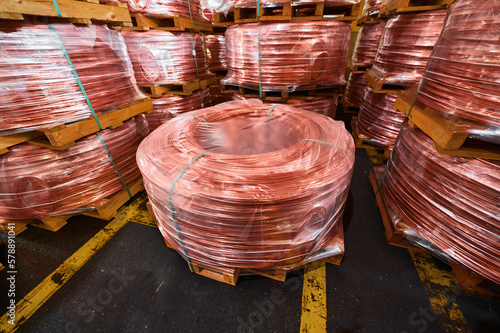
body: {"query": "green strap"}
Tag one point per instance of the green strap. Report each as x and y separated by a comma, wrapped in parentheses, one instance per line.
(57, 8)
(269, 112)
(171, 206)
(114, 164)
(258, 9)
(190, 16)
(260, 73)
(326, 143)
(195, 61)
(75, 74)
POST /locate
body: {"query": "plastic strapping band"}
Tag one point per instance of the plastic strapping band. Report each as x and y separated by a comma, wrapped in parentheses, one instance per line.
(171, 206)
(75, 74)
(114, 164)
(195, 61)
(269, 112)
(326, 143)
(57, 8)
(190, 16)
(260, 74)
(258, 9)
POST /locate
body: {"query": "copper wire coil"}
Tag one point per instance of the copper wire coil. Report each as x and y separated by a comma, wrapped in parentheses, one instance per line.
(406, 46)
(377, 121)
(371, 7)
(273, 3)
(37, 182)
(450, 201)
(463, 80)
(355, 88)
(163, 57)
(218, 96)
(38, 85)
(217, 57)
(162, 8)
(295, 55)
(263, 195)
(367, 44)
(169, 106)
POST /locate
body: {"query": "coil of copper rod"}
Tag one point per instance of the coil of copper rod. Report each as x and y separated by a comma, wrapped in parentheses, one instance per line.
(37, 182)
(463, 78)
(169, 106)
(163, 57)
(216, 46)
(248, 184)
(406, 46)
(355, 89)
(450, 201)
(169, 8)
(377, 121)
(371, 7)
(37, 81)
(295, 55)
(367, 44)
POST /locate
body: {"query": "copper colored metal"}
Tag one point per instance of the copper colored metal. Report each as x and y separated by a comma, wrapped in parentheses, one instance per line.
(216, 45)
(371, 7)
(37, 182)
(168, 106)
(37, 84)
(163, 57)
(377, 121)
(292, 55)
(450, 201)
(355, 88)
(218, 96)
(168, 8)
(367, 44)
(406, 46)
(262, 195)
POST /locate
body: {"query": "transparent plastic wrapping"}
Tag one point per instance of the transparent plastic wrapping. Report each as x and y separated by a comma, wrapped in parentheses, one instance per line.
(216, 49)
(355, 89)
(367, 44)
(37, 182)
(162, 57)
(377, 122)
(209, 8)
(371, 7)
(406, 46)
(295, 55)
(218, 96)
(165, 8)
(169, 106)
(250, 185)
(463, 78)
(325, 105)
(38, 85)
(452, 202)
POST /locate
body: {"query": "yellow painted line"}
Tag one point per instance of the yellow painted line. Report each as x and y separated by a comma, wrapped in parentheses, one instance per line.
(375, 157)
(313, 318)
(438, 285)
(26, 307)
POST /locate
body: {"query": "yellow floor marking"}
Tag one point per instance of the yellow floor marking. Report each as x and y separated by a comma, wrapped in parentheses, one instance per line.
(438, 285)
(38, 296)
(313, 318)
(375, 157)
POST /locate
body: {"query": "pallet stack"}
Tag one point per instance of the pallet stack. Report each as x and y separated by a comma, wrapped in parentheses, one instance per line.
(68, 90)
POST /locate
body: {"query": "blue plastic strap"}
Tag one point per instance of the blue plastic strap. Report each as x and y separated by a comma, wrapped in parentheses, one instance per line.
(190, 16)
(326, 143)
(269, 112)
(75, 74)
(258, 9)
(57, 8)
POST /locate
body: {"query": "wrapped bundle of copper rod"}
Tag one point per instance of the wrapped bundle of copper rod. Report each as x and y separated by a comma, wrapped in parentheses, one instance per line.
(296, 55)
(371, 7)
(250, 185)
(406, 46)
(377, 122)
(37, 182)
(367, 44)
(463, 78)
(355, 89)
(42, 66)
(218, 96)
(452, 202)
(162, 57)
(169, 106)
(165, 8)
(217, 58)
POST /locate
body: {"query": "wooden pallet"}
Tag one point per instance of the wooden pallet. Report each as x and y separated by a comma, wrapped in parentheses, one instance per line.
(183, 88)
(358, 67)
(142, 22)
(350, 108)
(450, 137)
(72, 11)
(62, 136)
(383, 85)
(221, 20)
(367, 19)
(360, 143)
(469, 280)
(394, 7)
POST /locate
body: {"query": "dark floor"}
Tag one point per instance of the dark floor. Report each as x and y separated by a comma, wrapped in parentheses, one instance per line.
(134, 283)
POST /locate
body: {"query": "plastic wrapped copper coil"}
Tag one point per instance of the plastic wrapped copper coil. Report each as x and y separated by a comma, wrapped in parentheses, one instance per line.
(162, 57)
(37, 182)
(367, 44)
(169, 106)
(371, 7)
(463, 78)
(406, 46)
(165, 8)
(355, 89)
(294, 55)
(250, 185)
(38, 84)
(216, 45)
(377, 122)
(450, 201)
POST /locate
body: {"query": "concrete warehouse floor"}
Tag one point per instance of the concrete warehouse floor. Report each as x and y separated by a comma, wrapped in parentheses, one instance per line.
(97, 276)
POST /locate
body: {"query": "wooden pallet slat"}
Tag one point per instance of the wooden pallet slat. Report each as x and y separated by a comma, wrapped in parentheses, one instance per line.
(141, 22)
(393, 7)
(224, 20)
(182, 88)
(383, 85)
(360, 143)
